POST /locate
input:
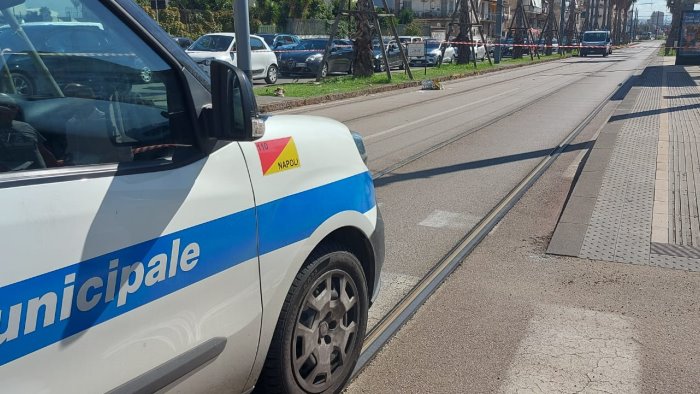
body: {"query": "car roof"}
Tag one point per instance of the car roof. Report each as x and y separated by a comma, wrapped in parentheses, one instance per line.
(226, 34)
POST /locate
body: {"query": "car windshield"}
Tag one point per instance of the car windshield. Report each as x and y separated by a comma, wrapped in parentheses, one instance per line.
(432, 45)
(312, 44)
(269, 38)
(597, 36)
(212, 43)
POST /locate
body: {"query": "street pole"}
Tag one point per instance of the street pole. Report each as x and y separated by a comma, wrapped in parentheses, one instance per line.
(241, 25)
(499, 31)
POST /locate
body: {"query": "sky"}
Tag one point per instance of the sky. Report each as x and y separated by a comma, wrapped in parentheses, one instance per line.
(646, 7)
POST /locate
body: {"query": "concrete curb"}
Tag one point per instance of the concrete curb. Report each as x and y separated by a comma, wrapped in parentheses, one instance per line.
(295, 103)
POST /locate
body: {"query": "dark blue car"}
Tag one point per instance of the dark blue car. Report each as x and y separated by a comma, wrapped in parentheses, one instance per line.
(307, 58)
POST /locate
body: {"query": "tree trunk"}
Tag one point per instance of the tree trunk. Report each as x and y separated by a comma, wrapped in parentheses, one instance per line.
(549, 32)
(596, 14)
(571, 24)
(463, 50)
(362, 43)
(674, 33)
(616, 24)
(604, 19)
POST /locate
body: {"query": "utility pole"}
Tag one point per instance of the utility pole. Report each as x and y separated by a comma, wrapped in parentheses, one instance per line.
(241, 25)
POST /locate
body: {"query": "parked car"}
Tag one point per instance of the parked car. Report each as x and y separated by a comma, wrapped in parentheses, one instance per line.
(410, 39)
(307, 58)
(103, 74)
(277, 41)
(479, 51)
(541, 45)
(222, 46)
(183, 42)
(393, 54)
(434, 55)
(509, 45)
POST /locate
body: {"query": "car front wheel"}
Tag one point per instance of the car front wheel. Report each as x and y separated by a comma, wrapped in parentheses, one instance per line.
(271, 77)
(23, 85)
(321, 327)
(324, 70)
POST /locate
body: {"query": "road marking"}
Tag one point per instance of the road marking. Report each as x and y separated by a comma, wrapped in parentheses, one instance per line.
(444, 219)
(393, 287)
(436, 115)
(576, 350)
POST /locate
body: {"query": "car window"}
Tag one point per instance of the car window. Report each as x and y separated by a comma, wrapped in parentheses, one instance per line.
(93, 93)
(312, 44)
(597, 36)
(256, 44)
(212, 43)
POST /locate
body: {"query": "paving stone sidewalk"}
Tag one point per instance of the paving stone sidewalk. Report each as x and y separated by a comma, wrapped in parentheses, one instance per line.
(636, 199)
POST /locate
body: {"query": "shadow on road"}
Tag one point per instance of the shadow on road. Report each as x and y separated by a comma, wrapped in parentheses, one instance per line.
(429, 173)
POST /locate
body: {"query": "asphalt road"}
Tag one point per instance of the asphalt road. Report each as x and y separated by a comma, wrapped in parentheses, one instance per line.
(501, 126)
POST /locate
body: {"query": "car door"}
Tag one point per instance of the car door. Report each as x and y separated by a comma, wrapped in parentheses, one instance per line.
(259, 56)
(127, 250)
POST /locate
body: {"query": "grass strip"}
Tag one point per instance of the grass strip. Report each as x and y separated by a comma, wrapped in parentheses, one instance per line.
(671, 51)
(345, 84)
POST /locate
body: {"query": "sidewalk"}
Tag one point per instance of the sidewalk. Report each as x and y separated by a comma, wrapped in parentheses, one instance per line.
(636, 200)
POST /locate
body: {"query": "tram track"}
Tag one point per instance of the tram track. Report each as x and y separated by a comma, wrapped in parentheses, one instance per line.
(429, 100)
(389, 169)
(415, 297)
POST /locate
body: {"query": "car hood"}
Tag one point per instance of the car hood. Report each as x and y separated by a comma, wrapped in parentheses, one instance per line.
(299, 56)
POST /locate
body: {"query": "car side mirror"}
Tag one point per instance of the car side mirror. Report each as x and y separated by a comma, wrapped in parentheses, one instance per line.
(234, 111)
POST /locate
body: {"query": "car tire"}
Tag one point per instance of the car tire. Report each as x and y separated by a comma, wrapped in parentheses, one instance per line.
(23, 85)
(271, 77)
(324, 70)
(316, 326)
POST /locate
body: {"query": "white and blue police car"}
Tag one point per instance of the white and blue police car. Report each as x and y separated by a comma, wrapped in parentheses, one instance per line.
(157, 233)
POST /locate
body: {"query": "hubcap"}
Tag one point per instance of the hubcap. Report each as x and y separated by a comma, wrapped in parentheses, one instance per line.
(21, 85)
(325, 331)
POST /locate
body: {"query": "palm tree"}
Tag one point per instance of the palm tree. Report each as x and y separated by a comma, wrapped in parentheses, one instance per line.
(362, 43)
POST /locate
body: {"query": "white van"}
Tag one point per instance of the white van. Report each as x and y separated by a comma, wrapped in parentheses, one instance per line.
(160, 234)
(410, 39)
(596, 41)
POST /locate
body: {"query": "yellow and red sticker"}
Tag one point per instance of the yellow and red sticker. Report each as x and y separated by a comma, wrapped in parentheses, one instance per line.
(278, 155)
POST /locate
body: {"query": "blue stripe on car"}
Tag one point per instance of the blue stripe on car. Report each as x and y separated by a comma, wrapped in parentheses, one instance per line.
(48, 308)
